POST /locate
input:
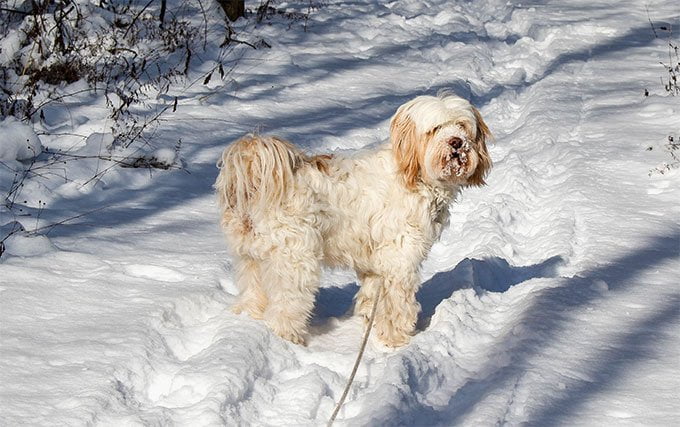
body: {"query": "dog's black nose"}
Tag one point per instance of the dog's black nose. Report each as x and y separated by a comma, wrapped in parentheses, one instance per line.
(456, 142)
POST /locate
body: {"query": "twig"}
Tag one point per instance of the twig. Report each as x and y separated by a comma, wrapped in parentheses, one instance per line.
(19, 12)
(188, 60)
(58, 98)
(64, 221)
(205, 25)
(162, 12)
(650, 22)
(134, 20)
(262, 11)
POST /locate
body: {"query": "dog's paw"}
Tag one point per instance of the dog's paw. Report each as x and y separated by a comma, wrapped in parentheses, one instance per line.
(253, 311)
(294, 337)
(394, 340)
(392, 335)
(289, 331)
(363, 307)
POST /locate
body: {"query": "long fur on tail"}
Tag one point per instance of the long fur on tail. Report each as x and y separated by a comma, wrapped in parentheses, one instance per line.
(256, 173)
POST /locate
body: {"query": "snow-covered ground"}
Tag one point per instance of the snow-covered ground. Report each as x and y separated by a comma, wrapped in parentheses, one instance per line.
(552, 298)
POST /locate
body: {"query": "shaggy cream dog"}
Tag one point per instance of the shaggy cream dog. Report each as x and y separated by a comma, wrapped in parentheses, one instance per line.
(286, 214)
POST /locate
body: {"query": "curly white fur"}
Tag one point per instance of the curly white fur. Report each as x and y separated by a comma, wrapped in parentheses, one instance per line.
(285, 214)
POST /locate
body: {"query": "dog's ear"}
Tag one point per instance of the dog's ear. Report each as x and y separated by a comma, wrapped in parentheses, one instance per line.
(405, 147)
(484, 163)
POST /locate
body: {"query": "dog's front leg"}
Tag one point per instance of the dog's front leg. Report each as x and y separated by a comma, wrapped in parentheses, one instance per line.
(397, 312)
(364, 299)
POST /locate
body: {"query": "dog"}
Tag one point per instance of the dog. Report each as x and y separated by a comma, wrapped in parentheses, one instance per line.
(287, 214)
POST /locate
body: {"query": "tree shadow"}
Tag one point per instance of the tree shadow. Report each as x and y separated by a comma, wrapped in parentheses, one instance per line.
(117, 206)
(634, 38)
(328, 119)
(625, 349)
(619, 352)
(489, 274)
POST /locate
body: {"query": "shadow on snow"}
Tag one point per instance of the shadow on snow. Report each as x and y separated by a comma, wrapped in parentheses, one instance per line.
(612, 360)
(490, 274)
(331, 119)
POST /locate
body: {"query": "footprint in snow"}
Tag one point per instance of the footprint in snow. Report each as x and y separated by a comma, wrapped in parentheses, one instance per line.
(189, 328)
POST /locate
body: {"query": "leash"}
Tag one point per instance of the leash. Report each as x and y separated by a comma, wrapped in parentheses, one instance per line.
(356, 363)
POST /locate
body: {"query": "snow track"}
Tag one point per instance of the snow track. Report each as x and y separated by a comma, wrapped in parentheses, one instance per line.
(551, 299)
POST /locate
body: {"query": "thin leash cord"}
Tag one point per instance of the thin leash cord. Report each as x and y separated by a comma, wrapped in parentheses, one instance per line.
(356, 363)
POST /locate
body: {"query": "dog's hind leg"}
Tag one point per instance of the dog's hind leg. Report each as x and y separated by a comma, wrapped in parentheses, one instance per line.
(291, 278)
(252, 298)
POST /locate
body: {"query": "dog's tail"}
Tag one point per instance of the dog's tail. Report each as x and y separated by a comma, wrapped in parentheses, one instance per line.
(256, 174)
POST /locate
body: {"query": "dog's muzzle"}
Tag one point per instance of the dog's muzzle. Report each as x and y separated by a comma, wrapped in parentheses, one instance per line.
(457, 158)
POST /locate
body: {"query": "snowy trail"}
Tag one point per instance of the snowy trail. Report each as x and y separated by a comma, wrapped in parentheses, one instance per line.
(552, 297)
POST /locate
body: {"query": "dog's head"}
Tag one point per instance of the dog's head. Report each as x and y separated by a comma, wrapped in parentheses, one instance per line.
(440, 141)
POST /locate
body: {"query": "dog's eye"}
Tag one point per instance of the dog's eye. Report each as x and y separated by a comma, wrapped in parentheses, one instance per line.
(435, 129)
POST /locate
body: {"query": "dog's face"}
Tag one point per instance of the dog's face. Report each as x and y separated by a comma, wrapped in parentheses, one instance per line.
(440, 141)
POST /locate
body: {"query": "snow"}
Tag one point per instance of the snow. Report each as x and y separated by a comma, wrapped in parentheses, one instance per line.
(27, 245)
(552, 298)
(18, 141)
(9, 45)
(165, 156)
